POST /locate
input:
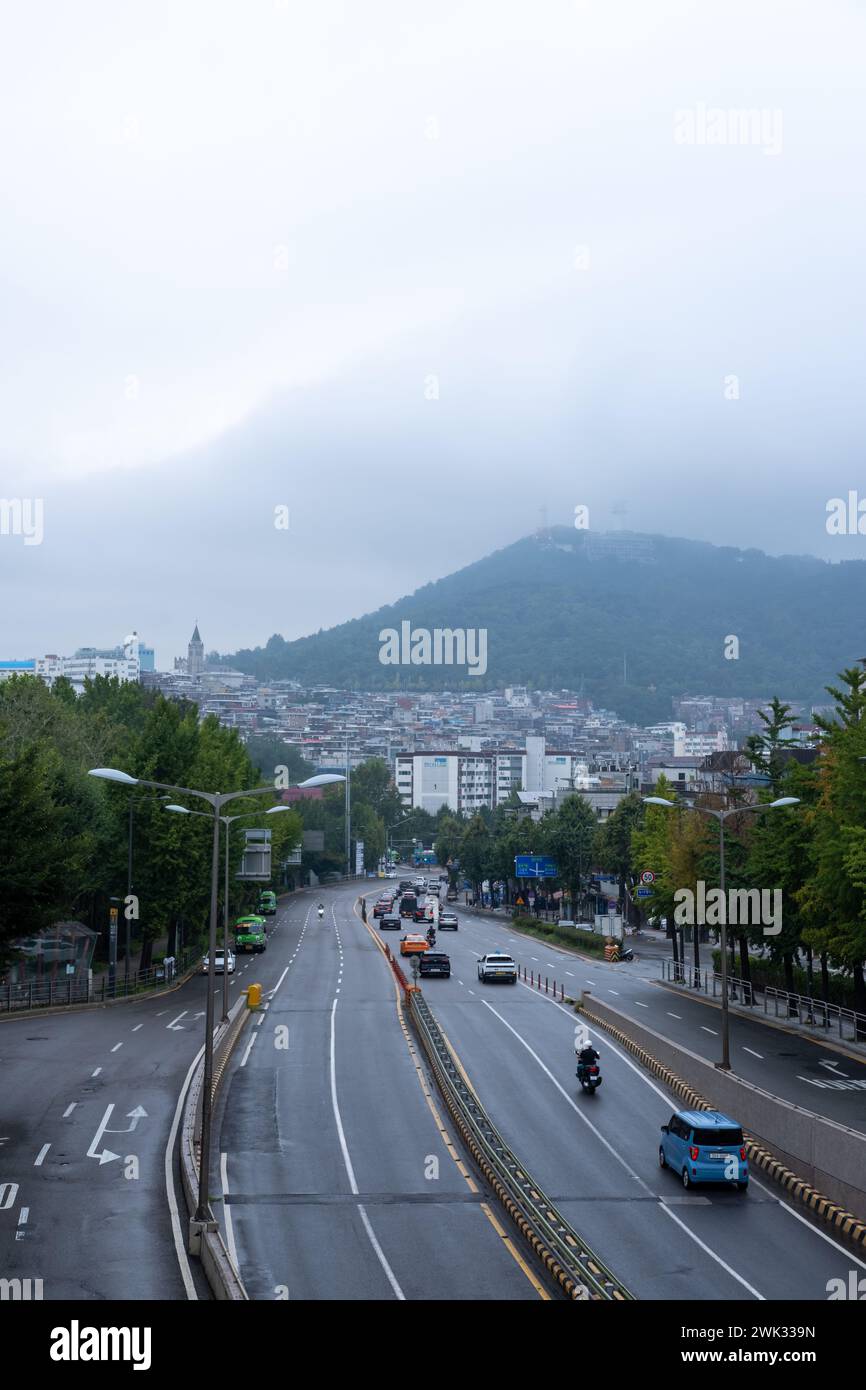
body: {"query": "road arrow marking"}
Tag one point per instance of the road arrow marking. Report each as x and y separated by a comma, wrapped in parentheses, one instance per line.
(139, 1113)
(106, 1156)
(832, 1066)
(175, 1024)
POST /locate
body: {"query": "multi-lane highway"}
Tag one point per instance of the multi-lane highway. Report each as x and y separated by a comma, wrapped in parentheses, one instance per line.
(597, 1157)
(336, 1170)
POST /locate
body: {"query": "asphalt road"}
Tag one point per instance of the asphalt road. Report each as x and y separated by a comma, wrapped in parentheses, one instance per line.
(805, 1072)
(332, 1176)
(597, 1156)
(88, 1104)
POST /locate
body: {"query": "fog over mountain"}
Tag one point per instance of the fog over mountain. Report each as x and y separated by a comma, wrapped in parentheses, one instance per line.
(627, 619)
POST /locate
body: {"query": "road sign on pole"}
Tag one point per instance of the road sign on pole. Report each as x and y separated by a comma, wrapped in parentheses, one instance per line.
(647, 876)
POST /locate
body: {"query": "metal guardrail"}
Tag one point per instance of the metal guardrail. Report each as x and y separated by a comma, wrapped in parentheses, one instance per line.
(35, 994)
(708, 981)
(813, 1013)
(577, 1268)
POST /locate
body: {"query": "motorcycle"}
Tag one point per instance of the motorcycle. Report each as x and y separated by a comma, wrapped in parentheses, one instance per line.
(626, 953)
(589, 1076)
(321, 912)
(431, 937)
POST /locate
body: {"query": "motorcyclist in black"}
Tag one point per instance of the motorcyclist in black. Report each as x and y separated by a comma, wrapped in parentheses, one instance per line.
(431, 936)
(587, 1055)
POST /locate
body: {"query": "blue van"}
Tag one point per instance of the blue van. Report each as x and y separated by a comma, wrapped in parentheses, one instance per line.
(704, 1146)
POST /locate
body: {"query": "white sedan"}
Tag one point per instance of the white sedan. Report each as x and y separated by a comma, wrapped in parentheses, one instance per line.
(221, 964)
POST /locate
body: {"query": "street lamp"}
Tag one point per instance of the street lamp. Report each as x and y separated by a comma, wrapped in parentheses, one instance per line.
(721, 816)
(216, 800)
(227, 822)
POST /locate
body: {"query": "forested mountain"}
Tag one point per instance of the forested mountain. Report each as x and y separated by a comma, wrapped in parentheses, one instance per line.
(629, 619)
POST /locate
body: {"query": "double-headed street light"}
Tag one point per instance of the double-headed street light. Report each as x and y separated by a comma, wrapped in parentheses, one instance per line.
(721, 816)
(227, 821)
(216, 800)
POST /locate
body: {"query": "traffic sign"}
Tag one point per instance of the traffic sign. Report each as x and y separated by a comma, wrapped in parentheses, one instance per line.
(647, 876)
(612, 904)
(534, 866)
(644, 892)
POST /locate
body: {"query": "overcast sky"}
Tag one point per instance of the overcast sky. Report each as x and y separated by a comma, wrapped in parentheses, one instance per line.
(414, 271)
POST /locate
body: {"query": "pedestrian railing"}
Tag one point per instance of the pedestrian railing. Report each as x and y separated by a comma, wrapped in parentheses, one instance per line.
(708, 981)
(848, 1024)
(72, 989)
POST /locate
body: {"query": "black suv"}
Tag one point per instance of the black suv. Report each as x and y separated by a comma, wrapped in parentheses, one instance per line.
(434, 963)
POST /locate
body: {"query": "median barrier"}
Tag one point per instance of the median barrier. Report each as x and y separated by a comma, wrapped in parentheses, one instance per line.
(820, 1162)
(205, 1239)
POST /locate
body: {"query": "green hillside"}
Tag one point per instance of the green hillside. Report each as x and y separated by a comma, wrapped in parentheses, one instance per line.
(563, 611)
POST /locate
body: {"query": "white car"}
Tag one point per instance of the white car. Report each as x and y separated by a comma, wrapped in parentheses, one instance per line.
(219, 964)
(496, 966)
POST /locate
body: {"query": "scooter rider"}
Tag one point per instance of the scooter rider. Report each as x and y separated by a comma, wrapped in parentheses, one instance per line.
(431, 935)
(321, 910)
(587, 1055)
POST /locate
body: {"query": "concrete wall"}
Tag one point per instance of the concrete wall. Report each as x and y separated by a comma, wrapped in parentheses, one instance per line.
(829, 1156)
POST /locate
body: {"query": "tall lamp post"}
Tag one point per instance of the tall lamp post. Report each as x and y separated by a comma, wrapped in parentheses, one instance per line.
(721, 816)
(216, 800)
(227, 822)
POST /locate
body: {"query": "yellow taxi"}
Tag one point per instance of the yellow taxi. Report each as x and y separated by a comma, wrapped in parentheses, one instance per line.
(412, 943)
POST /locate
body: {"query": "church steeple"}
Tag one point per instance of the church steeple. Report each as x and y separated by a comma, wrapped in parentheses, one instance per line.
(195, 653)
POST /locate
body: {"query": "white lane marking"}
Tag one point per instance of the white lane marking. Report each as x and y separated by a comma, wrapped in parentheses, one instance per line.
(116, 1046)
(800, 1217)
(69, 1109)
(589, 982)
(350, 1172)
(96, 1073)
(249, 1049)
(168, 1171)
(648, 1081)
(40, 1157)
(24, 1216)
(640, 1005)
(754, 1054)
(137, 1026)
(614, 991)
(230, 1230)
(662, 1206)
(569, 972)
(535, 958)
(176, 1024)
(670, 1015)
(710, 1030)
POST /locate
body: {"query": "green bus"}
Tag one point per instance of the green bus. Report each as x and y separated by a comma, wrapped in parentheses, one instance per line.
(267, 903)
(249, 934)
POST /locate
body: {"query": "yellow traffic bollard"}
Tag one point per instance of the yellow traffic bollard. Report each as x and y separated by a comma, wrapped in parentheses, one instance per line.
(254, 996)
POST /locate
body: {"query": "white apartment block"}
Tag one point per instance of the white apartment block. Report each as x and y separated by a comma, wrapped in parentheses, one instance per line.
(689, 745)
(466, 780)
